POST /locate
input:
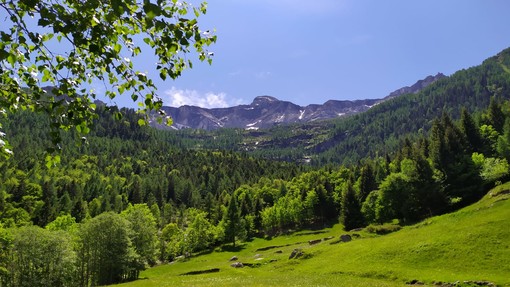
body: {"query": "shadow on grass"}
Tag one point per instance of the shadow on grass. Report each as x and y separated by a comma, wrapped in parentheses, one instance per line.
(198, 272)
(316, 228)
(231, 248)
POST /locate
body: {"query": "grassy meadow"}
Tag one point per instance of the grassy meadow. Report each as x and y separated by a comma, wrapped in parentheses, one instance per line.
(472, 244)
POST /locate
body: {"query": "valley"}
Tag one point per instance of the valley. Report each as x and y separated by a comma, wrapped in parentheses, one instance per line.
(299, 158)
(124, 201)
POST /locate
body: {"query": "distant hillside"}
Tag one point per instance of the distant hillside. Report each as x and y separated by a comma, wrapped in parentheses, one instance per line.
(266, 111)
(381, 129)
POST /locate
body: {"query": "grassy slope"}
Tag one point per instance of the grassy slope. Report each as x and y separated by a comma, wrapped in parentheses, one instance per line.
(470, 244)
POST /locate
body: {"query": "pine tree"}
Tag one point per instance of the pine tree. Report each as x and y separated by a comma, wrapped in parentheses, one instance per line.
(232, 221)
(470, 131)
(367, 182)
(136, 195)
(351, 209)
(495, 115)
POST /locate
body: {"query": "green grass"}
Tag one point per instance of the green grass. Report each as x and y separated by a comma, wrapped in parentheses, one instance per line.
(470, 244)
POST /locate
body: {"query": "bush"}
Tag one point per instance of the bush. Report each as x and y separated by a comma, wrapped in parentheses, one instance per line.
(383, 229)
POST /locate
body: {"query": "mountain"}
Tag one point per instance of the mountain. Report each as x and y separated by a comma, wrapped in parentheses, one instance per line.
(266, 111)
(378, 131)
(417, 87)
(382, 129)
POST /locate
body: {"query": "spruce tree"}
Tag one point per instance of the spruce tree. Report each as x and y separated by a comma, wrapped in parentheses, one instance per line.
(470, 131)
(232, 221)
(351, 209)
(367, 182)
(495, 115)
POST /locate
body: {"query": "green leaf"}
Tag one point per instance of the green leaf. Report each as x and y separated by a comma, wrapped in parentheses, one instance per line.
(118, 116)
(52, 160)
(152, 10)
(94, 21)
(11, 59)
(46, 76)
(117, 48)
(169, 121)
(173, 47)
(142, 122)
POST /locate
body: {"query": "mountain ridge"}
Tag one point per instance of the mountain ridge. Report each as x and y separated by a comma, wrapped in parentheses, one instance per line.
(267, 111)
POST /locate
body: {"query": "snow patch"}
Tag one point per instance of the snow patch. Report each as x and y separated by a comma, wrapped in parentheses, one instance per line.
(253, 124)
(301, 114)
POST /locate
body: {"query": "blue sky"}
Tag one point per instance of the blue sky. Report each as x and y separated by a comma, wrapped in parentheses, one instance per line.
(309, 52)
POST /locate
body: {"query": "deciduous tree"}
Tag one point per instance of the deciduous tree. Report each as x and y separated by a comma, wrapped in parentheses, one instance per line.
(71, 44)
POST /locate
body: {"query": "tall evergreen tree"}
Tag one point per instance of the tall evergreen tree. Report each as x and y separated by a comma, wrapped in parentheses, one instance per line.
(136, 196)
(351, 209)
(232, 221)
(367, 182)
(470, 130)
(495, 115)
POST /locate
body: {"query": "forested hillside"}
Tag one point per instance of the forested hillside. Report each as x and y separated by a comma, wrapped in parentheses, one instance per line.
(127, 197)
(382, 128)
(378, 131)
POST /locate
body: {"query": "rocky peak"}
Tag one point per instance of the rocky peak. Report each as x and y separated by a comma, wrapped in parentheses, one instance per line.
(418, 86)
(264, 100)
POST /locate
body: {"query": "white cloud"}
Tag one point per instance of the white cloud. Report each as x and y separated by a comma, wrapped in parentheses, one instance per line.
(177, 97)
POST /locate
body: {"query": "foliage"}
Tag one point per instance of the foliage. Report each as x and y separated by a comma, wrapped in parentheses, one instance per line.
(144, 230)
(200, 234)
(71, 44)
(40, 257)
(383, 228)
(63, 223)
(173, 241)
(106, 253)
(491, 169)
(5, 247)
(351, 212)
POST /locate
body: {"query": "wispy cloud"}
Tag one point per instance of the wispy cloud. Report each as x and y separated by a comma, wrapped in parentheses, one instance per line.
(178, 97)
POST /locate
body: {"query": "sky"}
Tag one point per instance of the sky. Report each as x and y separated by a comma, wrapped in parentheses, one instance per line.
(309, 52)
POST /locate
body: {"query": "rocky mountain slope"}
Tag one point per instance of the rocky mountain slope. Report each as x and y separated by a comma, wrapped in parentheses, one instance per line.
(266, 111)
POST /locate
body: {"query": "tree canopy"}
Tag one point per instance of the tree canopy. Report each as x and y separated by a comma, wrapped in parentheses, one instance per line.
(69, 44)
